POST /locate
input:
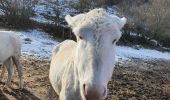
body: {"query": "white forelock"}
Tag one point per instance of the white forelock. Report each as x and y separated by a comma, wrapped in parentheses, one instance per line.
(97, 19)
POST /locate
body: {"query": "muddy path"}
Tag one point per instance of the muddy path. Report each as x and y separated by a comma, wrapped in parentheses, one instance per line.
(140, 80)
(132, 80)
(35, 73)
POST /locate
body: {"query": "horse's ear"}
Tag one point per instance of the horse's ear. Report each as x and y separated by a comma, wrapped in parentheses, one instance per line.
(122, 22)
(68, 19)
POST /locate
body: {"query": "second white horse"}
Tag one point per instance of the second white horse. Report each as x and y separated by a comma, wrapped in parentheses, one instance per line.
(10, 51)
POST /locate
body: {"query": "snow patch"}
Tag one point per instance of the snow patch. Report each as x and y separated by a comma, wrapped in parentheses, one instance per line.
(41, 43)
(41, 19)
(112, 11)
(125, 52)
(1, 12)
(50, 10)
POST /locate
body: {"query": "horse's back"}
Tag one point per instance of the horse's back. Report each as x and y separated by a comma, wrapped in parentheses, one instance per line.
(63, 50)
(10, 44)
(61, 56)
(65, 45)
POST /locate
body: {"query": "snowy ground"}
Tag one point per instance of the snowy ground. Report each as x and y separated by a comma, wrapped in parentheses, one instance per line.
(42, 9)
(50, 10)
(36, 42)
(1, 12)
(40, 44)
(125, 52)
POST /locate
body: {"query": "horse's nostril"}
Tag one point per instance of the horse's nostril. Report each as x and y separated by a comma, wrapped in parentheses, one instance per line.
(94, 92)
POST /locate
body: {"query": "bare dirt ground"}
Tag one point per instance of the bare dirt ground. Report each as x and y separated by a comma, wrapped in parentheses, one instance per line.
(132, 80)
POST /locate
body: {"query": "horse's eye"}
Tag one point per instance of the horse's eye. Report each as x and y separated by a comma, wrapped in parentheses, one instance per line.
(80, 37)
(113, 41)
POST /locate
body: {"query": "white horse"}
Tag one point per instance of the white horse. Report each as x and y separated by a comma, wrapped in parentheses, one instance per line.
(81, 70)
(10, 51)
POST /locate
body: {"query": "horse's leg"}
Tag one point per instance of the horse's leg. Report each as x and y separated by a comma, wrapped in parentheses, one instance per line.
(19, 70)
(10, 69)
(50, 93)
(3, 72)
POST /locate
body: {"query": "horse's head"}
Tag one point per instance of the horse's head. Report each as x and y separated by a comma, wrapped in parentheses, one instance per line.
(97, 33)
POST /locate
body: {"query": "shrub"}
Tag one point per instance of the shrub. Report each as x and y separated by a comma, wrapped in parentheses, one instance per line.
(150, 18)
(17, 12)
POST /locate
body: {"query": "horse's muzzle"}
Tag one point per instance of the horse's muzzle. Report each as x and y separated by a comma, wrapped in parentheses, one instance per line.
(94, 92)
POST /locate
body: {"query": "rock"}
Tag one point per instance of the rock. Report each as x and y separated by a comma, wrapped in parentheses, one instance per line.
(137, 47)
(160, 45)
(153, 42)
(27, 39)
(166, 49)
(48, 43)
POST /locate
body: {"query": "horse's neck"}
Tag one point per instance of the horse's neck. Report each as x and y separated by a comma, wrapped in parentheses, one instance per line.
(76, 76)
(72, 78)
(72, 71)
(73, 74)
